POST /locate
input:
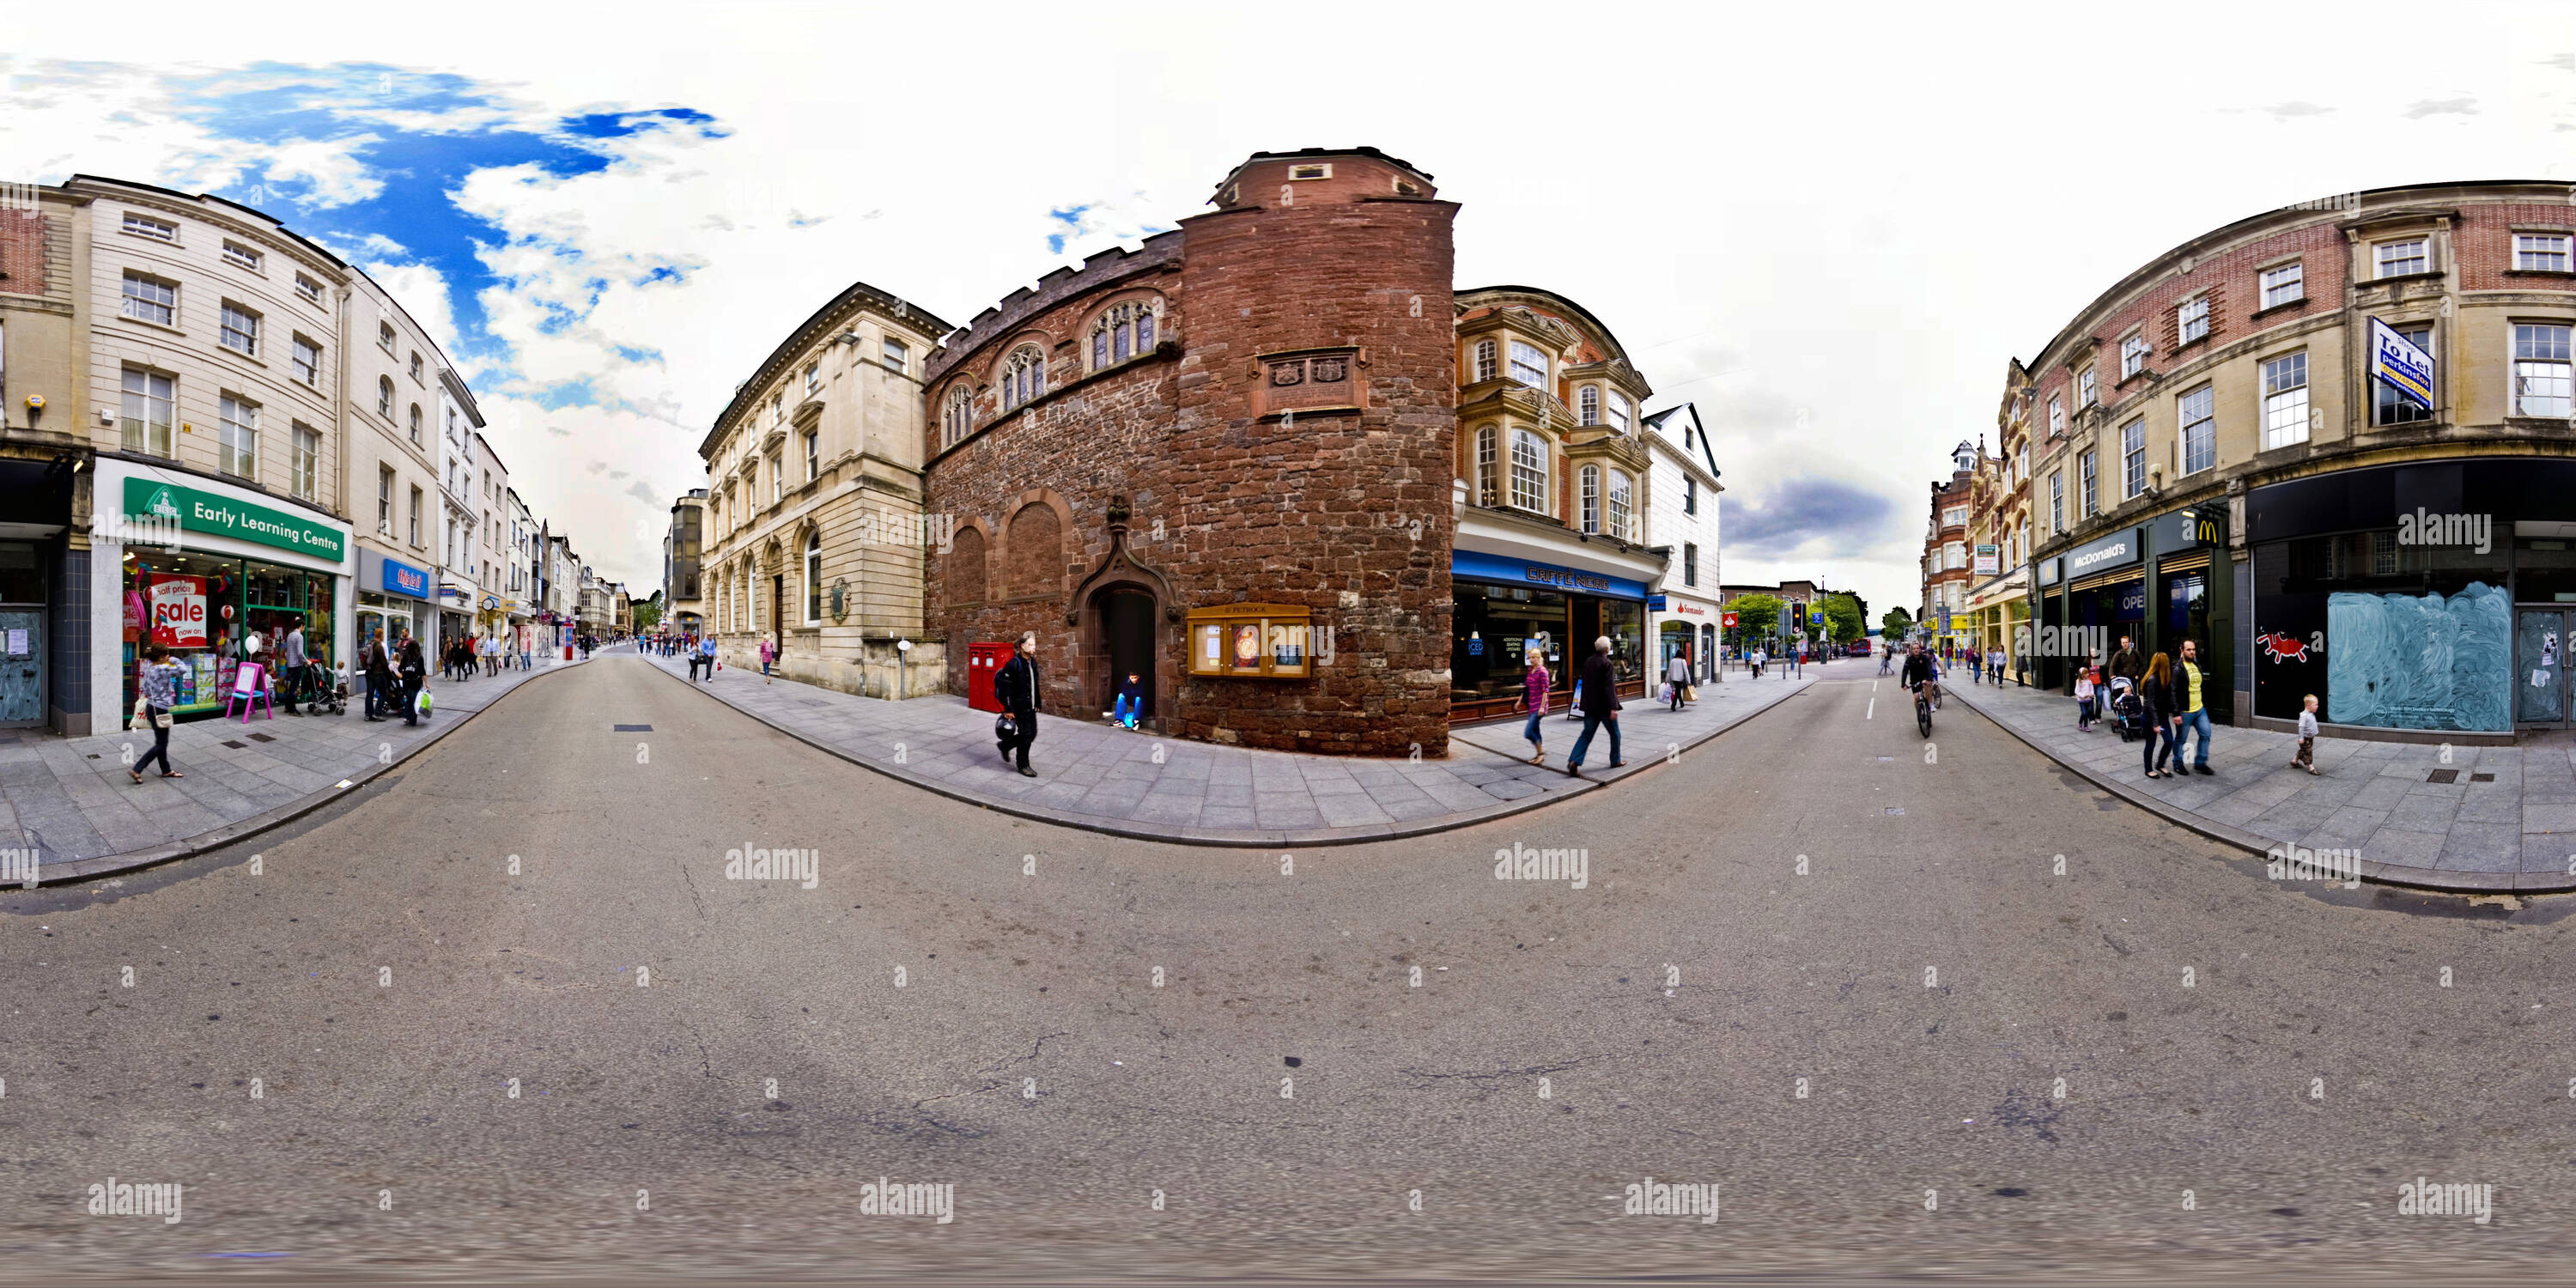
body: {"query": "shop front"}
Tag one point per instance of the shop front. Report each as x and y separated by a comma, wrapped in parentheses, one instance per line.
(234, 567)
(1683, 627)
(39, 685)
(2158, 584)
(393, 600)
(2434, 597)
(1509, 611)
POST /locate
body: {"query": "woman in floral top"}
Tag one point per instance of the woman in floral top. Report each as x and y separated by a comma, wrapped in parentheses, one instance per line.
(1534, 689)
(160, 693)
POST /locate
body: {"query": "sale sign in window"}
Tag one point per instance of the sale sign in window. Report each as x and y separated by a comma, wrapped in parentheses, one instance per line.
(179, 611)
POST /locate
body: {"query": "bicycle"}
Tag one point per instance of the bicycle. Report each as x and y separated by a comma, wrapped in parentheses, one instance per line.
(1923, 708)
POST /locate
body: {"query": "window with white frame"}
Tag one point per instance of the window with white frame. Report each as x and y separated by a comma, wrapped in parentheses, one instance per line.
(2086, 394)
(308, 288)
(2387, 405)
(416, 369)
(240, 331)
(415, 427)
(149, 399)
(1620, 505)
(1529, 471)
(1622, 413)
(2057, 501)
(303, 462)
(2192, 319)
(1587, 497)
(2399, 258)
(777, 479)
(385, 336)
(1529, 366)
(2540, 370)
(1124, 330)
(240, 256)
(415, 520)
(813, 377)
(2133, 458)
(385, 397)
(149, 299)
(308, 361)
(147, 226)
(2197, 413)
(1955, 517)
(1587, 404)
(1953, 555)
(958, 416)
(1690, 563)
(813, 579)
(813, 455)
(2056, 416)
(2540, 252)
(896, 354)
(2133, 355)
(237, 437)
(1485, 360)
(1690, 495)
(1488, 487)
(2091, 479)
(1023, 376)
(384, 500)
(2285, 401)
(2283, 285)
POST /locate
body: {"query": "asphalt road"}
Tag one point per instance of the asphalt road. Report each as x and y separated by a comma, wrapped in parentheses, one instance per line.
(969, 999)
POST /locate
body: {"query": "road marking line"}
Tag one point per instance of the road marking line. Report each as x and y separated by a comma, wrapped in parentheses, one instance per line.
(1872, 713)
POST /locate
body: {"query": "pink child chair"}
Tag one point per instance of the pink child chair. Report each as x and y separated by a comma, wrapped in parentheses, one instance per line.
(250, 690)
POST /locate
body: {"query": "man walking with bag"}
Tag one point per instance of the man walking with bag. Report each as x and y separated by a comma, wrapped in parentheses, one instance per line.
(1600, 704)
(1015, 686)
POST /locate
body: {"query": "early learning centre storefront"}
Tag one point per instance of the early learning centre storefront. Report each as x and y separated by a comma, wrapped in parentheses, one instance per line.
(204, 565)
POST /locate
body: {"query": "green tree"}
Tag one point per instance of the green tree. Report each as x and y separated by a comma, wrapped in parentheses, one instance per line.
(1896, 623)
(1843, 617)
(648, 615)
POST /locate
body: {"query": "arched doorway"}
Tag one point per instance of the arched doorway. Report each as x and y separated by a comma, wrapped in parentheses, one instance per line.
(1125, 619)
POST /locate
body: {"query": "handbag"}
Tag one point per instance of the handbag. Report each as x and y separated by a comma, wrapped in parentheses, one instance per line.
(1005, 729)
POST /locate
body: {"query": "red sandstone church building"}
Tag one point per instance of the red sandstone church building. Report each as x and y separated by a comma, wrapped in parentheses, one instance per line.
(1230, 462)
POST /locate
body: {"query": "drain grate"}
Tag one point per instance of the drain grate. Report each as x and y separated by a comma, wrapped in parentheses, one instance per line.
(2443, 776)
(237, 746)
(2482, 778)
(630, 729)
(261, 737)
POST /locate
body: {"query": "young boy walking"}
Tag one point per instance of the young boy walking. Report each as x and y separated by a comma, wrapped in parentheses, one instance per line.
(2307, 757)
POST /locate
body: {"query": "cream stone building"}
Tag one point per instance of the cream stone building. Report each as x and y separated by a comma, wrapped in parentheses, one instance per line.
(814, 531)
(393, 464)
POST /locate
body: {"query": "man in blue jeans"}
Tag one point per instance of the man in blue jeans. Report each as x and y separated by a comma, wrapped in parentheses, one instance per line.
(1600, 703)
(2195, 716)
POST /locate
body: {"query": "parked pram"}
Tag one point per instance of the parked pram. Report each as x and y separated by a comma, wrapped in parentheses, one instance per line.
(2128, 710)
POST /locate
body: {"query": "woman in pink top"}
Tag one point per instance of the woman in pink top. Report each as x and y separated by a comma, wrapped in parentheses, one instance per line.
(768, 655)
(1534, 692)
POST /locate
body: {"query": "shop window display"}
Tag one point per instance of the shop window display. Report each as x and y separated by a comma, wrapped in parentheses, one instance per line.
(202, 608)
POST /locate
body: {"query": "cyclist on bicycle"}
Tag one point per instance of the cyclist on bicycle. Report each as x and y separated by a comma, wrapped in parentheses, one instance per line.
(1921, 675)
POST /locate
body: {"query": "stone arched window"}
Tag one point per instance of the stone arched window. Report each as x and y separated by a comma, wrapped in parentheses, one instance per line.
(957, 416)
(1023, 376)
(385, 397)
(1034, 550)
(962, 570)
(1488, 482)
(1488, 360)
(1619, 506)
(1588, 494)
(1588, 402)
(1124, 331)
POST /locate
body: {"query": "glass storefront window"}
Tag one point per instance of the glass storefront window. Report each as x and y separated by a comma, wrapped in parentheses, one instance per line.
(1624, 621)
(201, 607)
(2387, 635)
(1494, 632)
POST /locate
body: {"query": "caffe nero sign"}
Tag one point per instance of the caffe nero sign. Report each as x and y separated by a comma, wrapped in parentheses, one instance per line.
(196, 511)
(2116, 551)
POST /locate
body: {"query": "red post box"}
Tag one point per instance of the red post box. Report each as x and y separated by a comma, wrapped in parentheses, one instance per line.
(982, 660)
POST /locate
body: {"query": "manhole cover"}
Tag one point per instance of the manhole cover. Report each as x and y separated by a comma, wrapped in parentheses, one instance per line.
(631, 729)
(261, 737)
(2482, 778)
(237, 746)
(2443, 776)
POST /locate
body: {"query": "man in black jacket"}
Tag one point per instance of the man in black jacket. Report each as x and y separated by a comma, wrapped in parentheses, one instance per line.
(380, 675)
(1600, 703)
(2125, 661)
(1015, 686)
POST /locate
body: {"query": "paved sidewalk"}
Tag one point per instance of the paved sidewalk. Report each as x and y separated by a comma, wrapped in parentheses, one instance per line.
(1095, 775)
(2507, 824)
(71, 799)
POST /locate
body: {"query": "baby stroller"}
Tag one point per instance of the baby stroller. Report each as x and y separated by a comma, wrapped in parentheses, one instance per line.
(2128, 710)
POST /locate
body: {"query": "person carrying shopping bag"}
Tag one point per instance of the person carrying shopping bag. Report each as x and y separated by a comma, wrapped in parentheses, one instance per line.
(160, 693)
(1677, 677)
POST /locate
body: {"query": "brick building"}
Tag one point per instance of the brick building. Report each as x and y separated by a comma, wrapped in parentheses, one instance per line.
(1945, 548)
(1223, 462)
